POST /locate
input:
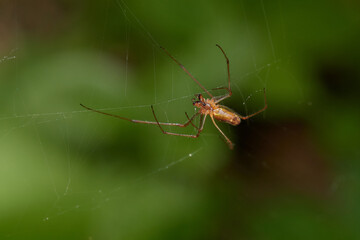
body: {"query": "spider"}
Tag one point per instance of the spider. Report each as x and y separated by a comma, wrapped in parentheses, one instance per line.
(207, 106)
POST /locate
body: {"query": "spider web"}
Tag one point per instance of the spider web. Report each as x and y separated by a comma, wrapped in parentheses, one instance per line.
(57, 155)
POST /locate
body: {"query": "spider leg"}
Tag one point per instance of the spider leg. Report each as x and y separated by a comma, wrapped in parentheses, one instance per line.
(190, 120)
(229, 85)
(231, 145)
(261, 110)
(221, 97)
(145, 122)
(187, 72)
(180, 134)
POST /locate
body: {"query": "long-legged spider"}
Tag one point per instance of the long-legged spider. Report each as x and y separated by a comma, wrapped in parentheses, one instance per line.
(207, 106)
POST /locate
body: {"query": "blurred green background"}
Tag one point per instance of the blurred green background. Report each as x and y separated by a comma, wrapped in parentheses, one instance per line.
(69, 173)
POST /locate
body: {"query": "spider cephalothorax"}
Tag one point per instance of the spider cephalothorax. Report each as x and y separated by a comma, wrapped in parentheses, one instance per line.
(205, 105)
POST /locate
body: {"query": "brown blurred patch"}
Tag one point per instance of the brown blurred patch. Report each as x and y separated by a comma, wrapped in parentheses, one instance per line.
(7, 26)
(339, 77)
(39, 18)
(271, 159)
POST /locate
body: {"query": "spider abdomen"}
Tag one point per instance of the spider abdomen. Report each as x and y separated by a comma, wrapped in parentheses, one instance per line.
(227, 115)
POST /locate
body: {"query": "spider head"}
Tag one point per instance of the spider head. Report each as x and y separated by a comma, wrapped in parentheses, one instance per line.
(199, 101)
(198, 97)
(199, 104)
